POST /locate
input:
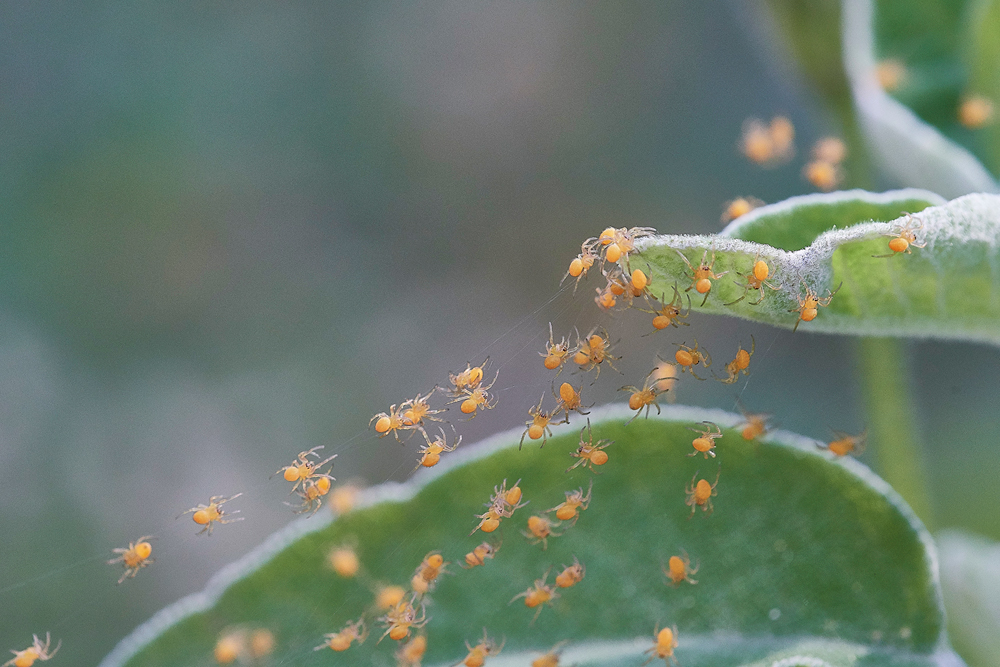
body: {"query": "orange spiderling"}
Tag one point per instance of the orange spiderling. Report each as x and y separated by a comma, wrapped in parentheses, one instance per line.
(700, 494)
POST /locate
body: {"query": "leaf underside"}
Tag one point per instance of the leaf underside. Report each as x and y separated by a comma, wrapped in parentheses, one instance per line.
(802, 556)
(949, 289)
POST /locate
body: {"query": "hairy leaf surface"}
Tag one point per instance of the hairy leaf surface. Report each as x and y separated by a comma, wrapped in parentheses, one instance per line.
(805, 560)
(827, 243)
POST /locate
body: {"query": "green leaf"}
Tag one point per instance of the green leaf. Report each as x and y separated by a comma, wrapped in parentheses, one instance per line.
(949, 289)
(803, 557)
(950, 50)
(982, 58)
(794, 224)
(970, 577)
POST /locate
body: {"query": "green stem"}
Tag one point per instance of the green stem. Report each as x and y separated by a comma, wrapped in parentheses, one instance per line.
(891, 427)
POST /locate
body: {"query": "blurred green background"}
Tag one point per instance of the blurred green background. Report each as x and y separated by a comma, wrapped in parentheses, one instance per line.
(234, 231)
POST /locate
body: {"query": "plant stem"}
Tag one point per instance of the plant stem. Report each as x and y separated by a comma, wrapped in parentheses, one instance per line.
(891, 425)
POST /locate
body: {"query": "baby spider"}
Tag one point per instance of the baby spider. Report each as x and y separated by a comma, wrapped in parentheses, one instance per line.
(666, 377)
(739, 207)
(401, 618)
(417, 409)
(540, 530)
(702, 277)
(426, 574)
(212, 513)
(755, 143)
(431, 566)
(473, 398)
(343, 559)
(344, 496)
(605, 298)
(412, 652)
(705, 442)
(766, 145)
(700, 494)
(355, 631)
(556, 354)
(590, 454)
(387, 597)
(479, 555)
(846, 444)
(538, 426)
(645, 397)
(571, 574)
(431, 452)
(551, 658)
(754, 424)
(502, 505)
(679, 569)
(466, 380)
(302, 469)
(606, 238)
(890, 73)
(671, 314)
(593, 351)
(689, 357)
(537, 595)
(904, 239)
(739, 364)
(782, 137)
(37, 651)
(619, 243)
(638, 284)
(390, 422)
(239, 643)
(756, 279)
(311, 495)
(490, 520)
(134, 557)
(808, 306)
(829, 149)
(975, 112)
(512, 498)
(231, 645)
(665, 643)
(569, 510)
(569, 399)
(261, 642)
(478, 653)
(618, 285)
(822, 174)
(580, 264)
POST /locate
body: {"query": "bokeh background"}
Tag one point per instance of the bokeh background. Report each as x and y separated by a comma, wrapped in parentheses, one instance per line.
(233, 231)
